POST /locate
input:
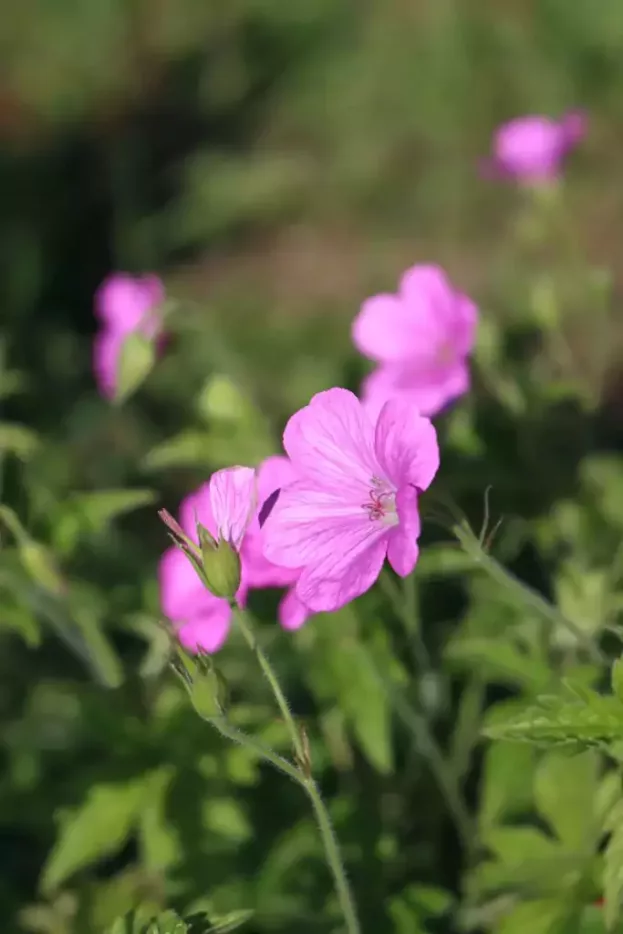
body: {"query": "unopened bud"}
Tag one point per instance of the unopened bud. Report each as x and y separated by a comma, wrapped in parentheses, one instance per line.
(221, 565)
(206, 686)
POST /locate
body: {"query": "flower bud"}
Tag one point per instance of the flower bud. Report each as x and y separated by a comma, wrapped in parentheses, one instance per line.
(206, 686)
(221, 565)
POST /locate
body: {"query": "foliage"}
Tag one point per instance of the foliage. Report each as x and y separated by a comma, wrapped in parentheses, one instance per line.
(278, 163)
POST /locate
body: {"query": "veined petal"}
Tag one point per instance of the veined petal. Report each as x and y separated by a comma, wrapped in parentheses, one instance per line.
(182, 593)
(427, 390)
(233, 498)
(385, 328)
(317, 527)
(406, 445)
(402, 548)
(207, 631)
(272, 474)
(292, 613)
(330, 442)
(330, 585)
(196, 507)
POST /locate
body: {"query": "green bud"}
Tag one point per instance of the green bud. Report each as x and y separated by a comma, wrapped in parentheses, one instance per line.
(206, 686)
(136, 361)
(221, 565)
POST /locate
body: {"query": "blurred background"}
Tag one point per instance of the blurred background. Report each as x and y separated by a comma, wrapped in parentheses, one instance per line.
(275, 163)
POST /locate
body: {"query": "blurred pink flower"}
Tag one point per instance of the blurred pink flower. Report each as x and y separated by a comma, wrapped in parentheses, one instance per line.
(227, 505)
(123, 304)
(354, 501)
(421, 338)
(532, 149)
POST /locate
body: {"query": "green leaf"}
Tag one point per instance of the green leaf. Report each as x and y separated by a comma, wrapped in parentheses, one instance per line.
(136, 361)
(90, 513)
(188, 449)
(502, 661)
(617, 679)
(613, 866)
(564, 788)
(505, 788)
(223, 924)
(17, 440)
(98, 828)
(578, 724)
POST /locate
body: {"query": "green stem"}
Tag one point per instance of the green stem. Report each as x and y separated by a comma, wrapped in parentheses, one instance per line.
(273, 681)
(255, 746)
(300, 774)
(334, 860)
(524, 592)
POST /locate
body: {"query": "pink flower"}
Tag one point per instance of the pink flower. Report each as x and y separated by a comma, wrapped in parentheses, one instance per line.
(123, 305)
(227, 506)
(421, 338)
(532, 149)
(355, 499)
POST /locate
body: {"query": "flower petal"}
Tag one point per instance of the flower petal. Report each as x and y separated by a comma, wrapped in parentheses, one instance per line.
(402, 548)
(106, 350)
(311, 526)
(182, 593)
(384, 328)
(233, 498)
(406, 445)
(208, 631)
(123, 302)
(330, 442)
(292, 613)
(428, 391)
(331, 585)
(196, 507)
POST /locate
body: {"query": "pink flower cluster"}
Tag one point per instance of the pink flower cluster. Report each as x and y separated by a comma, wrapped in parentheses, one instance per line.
(321, 521)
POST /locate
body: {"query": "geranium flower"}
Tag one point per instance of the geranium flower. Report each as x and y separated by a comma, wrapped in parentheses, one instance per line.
(123, 304)
(228, 506)
(355, 499)
(532, 149)
(421, 337)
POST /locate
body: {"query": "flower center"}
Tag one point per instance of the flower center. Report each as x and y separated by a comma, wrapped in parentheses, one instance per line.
(381, 504)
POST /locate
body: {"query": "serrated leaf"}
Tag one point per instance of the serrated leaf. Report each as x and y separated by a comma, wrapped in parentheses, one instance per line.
(223, 924)
(500, 661)
(575, 724)
(136, 361)
(98, 828)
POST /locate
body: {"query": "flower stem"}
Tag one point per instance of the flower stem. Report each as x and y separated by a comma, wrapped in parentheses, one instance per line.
(334, 860)
(301, 773)
(523, 592)
(275, 687)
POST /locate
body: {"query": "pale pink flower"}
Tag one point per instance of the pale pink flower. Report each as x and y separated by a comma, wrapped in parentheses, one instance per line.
(532, 149)
(421, 337)
(123, 304)
(227, 506)
(355, 499)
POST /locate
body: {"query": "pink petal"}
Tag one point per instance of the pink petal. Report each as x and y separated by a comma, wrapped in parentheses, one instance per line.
(207, 631)
(273, 473)
(182, 593)
(428, 292)
(195, 508)
(292, 613)
(106, 350)
(328, 586)
(385, 328)
(123, 302)
(406, 445)
(319, 527)
(258, 570)
(330, 442)
(427, 391)
(233, 498)
(402, 549)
